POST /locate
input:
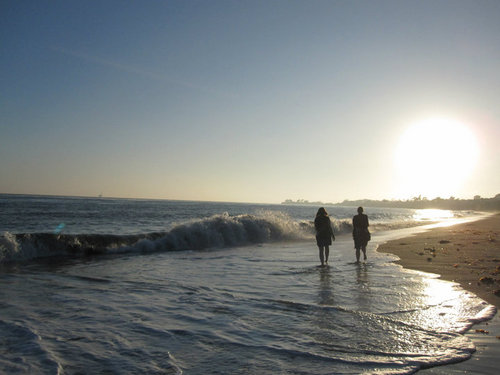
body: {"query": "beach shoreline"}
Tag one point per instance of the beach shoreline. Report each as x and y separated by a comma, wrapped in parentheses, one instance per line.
(469, 255)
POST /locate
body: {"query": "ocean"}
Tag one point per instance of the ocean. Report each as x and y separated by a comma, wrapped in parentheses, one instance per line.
(129, 286)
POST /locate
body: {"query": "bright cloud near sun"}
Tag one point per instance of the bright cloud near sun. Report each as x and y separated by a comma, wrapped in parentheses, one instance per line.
(434, 158)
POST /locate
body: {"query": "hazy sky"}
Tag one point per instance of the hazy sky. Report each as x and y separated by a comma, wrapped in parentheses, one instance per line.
(252, 101)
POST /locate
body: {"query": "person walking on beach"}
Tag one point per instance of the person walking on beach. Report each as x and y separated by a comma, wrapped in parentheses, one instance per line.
(360, 233)
(324, 234)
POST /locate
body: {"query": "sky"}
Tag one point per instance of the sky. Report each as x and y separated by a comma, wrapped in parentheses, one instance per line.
(250, 101)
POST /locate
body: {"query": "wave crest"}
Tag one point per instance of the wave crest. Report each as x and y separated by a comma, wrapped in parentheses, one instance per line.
(224, 231)
(217, 231)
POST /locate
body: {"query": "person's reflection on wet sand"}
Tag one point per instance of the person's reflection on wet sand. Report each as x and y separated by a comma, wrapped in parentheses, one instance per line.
(325, 293)
(362, 289)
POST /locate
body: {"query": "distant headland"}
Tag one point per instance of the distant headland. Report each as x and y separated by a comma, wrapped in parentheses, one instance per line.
(477, 203)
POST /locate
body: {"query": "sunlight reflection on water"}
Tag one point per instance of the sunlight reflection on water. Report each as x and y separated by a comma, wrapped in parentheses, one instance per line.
(432, 215)
(448, 301)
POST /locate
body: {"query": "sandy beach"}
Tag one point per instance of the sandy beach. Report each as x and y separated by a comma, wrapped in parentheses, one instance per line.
(468, 254)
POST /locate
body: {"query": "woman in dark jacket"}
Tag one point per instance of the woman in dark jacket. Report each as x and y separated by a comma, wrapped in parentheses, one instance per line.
(324, 234)
(360, 232)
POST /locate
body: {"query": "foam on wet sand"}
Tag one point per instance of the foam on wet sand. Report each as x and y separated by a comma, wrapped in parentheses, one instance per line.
(468, 254)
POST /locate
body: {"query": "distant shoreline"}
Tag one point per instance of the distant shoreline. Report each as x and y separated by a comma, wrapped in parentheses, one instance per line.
(476, 204)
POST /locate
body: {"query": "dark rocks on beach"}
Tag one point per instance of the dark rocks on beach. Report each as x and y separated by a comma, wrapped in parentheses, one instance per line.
(487, 280)
(444, 241)
(482, 331)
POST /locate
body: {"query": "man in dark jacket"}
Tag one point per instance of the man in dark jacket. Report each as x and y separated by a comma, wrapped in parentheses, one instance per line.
(360, 232)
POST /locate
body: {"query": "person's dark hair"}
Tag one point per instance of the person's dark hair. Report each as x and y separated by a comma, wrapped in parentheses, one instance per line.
(322, 212)
(360, 210)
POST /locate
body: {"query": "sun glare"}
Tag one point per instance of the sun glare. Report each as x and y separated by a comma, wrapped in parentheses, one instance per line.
(432, 215)
(435, 157)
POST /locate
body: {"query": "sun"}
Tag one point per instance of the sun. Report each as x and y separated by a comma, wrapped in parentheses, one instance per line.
(434, 158)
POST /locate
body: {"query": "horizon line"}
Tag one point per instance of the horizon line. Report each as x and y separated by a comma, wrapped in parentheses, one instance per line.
(298, 201)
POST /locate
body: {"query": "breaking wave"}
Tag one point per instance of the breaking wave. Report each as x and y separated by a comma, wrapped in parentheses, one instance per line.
(217, 231)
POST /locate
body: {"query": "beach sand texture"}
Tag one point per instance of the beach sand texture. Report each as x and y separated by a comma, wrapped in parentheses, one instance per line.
(468, 254)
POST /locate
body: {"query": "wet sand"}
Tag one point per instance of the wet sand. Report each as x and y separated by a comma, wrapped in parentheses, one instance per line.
(468, 254)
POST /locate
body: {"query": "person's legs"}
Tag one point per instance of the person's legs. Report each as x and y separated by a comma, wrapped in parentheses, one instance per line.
(321, 256)
(327, 253)
(357, 254)
(364, 251)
